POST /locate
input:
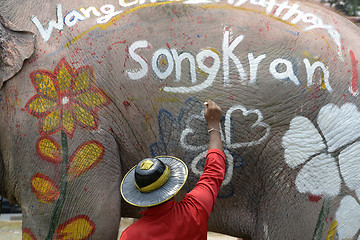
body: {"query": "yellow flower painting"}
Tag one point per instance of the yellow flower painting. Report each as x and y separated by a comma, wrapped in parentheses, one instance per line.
(66, 98)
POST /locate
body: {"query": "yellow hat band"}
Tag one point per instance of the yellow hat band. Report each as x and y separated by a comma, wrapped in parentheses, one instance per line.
(157, 184)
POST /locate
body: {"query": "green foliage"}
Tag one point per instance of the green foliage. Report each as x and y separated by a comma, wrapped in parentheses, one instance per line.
(349, 7)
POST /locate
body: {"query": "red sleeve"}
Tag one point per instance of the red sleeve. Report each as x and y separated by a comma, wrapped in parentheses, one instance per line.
(207, 187)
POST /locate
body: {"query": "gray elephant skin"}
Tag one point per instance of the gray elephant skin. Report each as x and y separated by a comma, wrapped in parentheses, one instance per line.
(89, 88)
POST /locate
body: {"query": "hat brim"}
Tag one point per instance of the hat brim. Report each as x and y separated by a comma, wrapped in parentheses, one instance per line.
(177, 179)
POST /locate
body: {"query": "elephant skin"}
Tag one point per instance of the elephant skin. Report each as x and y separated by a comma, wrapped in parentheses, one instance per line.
(109, 83)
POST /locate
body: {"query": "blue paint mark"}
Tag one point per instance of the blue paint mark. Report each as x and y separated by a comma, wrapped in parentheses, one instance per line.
(73, 17)
(293, 33)
(170, 129)
(198, 35)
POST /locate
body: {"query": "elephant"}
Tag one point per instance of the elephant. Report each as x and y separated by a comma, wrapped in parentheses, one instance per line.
(90, 88)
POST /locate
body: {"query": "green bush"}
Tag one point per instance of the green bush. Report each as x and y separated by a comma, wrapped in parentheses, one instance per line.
(348, 7)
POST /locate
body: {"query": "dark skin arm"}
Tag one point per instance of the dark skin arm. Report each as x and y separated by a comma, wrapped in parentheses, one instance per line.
(213, 116)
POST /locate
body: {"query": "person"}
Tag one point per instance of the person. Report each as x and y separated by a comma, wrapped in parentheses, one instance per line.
(154, 181)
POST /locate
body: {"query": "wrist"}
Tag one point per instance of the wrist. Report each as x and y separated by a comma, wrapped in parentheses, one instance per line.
(214, 130)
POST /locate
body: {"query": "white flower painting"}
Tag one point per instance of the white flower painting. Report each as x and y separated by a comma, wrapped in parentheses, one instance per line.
(326, 154)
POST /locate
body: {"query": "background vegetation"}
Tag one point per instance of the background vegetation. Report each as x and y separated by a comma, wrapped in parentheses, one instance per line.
(348, 7)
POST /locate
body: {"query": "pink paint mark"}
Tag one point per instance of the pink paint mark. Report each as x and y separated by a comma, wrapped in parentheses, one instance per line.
(314, 198)
(354, 77)
(110, 47)
(126, 105)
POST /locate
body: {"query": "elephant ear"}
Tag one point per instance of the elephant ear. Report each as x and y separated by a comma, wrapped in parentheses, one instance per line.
(15, 47)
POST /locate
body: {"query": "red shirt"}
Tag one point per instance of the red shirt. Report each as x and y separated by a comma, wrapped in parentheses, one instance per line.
(187, 219)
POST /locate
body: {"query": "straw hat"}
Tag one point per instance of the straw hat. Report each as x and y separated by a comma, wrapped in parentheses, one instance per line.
(153, 181)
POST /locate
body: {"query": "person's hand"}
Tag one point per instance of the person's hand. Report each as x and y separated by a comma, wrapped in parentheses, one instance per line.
(212, 114)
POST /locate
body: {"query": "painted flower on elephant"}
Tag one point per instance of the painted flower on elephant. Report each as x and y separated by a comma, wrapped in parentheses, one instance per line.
(186, 137)
(79, 227)
(327, 156)
(44, 188)
(348, 217)
(66, 98)
(319, 153)
(27, 234)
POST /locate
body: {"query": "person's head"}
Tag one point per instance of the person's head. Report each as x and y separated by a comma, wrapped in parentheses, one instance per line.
(154, 181)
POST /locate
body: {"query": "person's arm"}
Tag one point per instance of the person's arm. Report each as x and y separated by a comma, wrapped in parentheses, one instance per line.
(213, 116)
(207, 187)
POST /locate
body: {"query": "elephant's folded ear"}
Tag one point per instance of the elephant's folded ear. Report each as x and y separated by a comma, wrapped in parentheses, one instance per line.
(15, 47)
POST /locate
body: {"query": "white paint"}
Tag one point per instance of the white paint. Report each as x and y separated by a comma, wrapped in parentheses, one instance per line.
(225, 137)
(188, 130)
(228, 54)
(293, 10)
(178, 61)
(229, 170)
(211, 71)
(348, 218)
(298, 15)
(254, 64)
(310, 70)
(319, 177)
(72, 18)
(258, 124)
(169, 62)
(340, 126)
(266, 231)
(122, 3)
(65, 100)
(196, 160)
(280, 8)
(86, 12)
(173, 58)
(109, 13)
(337, 39)
(144, 67)
(301, 142)
(59, 25)
(270, 5)
(349, 161)
(288, 74)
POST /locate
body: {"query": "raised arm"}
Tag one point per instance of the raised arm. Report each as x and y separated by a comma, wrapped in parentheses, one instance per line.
(213, 116)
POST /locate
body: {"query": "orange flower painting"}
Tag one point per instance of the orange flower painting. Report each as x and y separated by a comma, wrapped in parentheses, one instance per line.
(66, 98)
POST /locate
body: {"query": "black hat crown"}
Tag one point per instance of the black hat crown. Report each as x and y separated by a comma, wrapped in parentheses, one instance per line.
(151, 174)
